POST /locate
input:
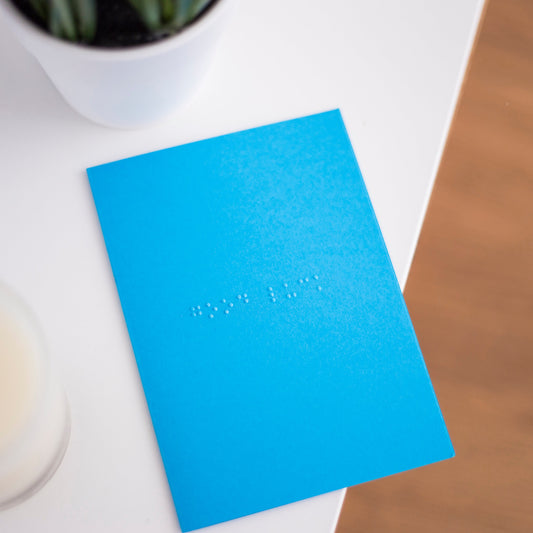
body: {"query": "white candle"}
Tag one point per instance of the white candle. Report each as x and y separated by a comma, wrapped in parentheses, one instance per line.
(34, 417)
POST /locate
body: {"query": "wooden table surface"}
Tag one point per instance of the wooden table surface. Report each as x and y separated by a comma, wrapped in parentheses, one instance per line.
(470, 295)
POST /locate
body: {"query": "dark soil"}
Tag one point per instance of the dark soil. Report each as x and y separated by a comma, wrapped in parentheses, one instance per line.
(118, 24)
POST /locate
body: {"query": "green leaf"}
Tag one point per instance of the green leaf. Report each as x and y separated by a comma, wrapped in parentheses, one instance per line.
(41, 8)
(167, 11)
(195, 8)
(61, 20)
(149, 12)
(179, 14)
(86, 18)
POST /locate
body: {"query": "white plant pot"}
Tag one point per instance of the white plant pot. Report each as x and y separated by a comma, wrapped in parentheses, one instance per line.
(125, 87)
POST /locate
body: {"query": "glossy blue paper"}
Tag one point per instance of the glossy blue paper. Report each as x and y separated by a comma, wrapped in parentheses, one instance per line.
(275, 350)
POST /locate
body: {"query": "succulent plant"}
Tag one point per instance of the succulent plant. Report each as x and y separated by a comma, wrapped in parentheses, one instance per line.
(74, 20)
(77, 20)
(168, 15)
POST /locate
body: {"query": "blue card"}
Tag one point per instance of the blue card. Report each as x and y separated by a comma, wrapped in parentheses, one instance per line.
(275, 350)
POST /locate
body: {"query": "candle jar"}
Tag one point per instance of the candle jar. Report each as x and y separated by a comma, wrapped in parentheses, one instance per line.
(34, 416)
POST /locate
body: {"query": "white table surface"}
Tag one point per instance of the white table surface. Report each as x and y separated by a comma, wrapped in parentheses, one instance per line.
(393, 68)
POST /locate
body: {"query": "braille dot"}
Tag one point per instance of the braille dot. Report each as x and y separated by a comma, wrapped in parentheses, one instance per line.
(294, 294)
(274, 300)
(319, 288)
(306, 280)
(300, 281)
(270, 289)
(211, 315)
(198, 307)
(289, 295)
(245, 295)
(226, 312)
(215, 308)
(285, 285)
(193, 308)
(239, 296)
(200, 313)
(193, 314)
(230, 305)
(223, 300)
(272, 294)
(315, 276)
(246, 300)
(208, 304)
